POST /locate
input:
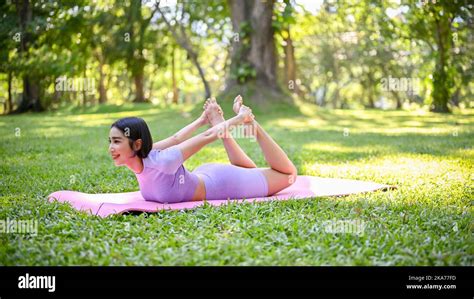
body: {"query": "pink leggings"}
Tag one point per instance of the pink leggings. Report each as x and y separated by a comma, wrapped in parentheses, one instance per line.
(223, 181)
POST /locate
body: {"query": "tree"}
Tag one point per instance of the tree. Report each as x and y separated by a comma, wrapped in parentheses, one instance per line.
(135, 37)
(30, 99)
(100, 21)
(253, 55)
(284, 19)
(432, 22)
(7, 25)
(180, 20)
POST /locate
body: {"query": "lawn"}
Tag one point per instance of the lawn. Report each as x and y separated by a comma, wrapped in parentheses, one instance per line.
(426, 221)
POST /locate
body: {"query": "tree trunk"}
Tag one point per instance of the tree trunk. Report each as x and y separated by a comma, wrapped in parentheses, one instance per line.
(371, 89)
(84, 87)
(102, 89)
(262, 50)
(290, 64)
(255, 46)
(441, 78)
(323, 98)
(455, 99)
(240, 50)
(173, 77)
(207, 89)
(335, 97)
(56, 98)
(371, 100)
(398, 99)
(9, 105)
(136, 61)
(30, 99)
(150, 90)
(139, 95)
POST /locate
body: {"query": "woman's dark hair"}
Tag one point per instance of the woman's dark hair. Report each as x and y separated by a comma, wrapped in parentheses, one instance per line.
(135, 128)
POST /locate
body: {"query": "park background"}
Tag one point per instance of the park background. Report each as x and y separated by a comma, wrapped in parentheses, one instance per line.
(369, 90)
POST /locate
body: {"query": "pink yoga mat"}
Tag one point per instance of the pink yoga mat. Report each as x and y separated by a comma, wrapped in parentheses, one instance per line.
(304, 187)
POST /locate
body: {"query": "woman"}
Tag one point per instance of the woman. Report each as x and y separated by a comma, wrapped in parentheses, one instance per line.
(159, 166)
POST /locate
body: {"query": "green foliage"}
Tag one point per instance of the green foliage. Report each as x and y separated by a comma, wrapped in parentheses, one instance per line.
(244, 72)
(342, 50)
(284, 15)
(347, 47)
(245, 31)
(434, 23)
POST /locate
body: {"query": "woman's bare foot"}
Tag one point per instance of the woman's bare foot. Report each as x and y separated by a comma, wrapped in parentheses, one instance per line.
(214, 112)
(238, 101)
(249, 126)
(247, 114)
(238, 105)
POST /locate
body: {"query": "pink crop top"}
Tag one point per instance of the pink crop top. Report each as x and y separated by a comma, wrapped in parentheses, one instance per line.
(165, 179)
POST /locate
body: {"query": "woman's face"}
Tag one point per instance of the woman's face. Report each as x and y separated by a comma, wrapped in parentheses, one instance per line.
(119, 147)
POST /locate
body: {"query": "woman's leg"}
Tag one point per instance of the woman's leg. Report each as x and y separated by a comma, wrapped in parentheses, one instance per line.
(235, 153)
(282, 172)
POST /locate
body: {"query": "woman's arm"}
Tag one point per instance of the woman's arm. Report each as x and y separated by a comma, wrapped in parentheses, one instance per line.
(194, 144)
(182, 134)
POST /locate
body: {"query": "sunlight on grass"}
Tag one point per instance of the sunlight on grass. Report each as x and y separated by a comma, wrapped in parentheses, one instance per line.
(337, 148)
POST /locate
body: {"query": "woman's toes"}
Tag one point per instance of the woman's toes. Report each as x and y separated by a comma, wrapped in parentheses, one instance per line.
(238, 98)
(237, 103)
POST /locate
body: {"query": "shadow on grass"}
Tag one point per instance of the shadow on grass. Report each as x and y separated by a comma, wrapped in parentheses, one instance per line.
(363, 145)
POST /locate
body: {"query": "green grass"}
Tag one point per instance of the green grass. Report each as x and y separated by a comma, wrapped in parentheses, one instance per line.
(427, 221)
